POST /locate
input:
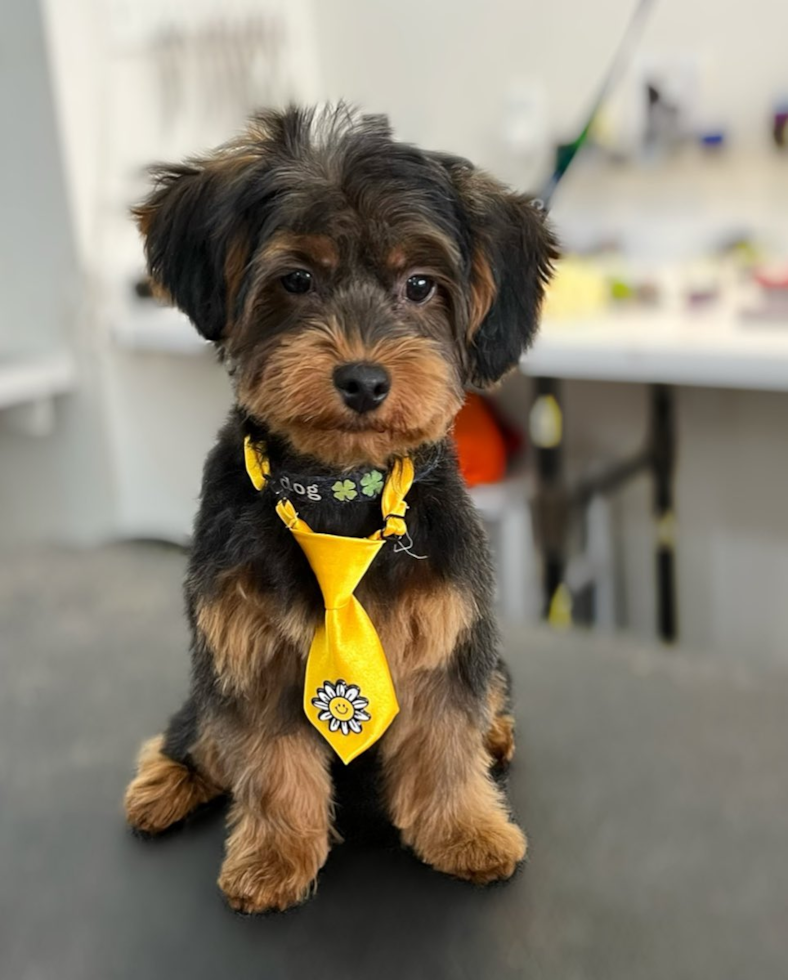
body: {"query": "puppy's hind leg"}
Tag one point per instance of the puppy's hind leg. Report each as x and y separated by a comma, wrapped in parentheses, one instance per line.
(166, 790)
(499, 737)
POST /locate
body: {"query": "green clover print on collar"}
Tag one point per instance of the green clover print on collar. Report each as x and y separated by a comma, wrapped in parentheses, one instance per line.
(344, 490)
(372, 483)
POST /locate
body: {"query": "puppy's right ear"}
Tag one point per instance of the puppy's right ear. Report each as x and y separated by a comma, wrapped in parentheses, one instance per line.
(512, 251)
(196, 242)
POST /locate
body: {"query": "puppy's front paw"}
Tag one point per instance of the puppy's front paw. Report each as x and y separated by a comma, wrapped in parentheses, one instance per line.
(486, 851)
(269, 881)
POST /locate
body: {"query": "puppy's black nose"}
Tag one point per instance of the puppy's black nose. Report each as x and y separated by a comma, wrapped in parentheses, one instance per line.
(362, 386)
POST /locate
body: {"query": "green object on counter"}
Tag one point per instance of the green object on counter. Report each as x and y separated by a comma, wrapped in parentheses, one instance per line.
(620, 290)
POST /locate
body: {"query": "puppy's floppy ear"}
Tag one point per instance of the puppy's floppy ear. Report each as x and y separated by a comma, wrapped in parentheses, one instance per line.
(512, 252)
(196, 241)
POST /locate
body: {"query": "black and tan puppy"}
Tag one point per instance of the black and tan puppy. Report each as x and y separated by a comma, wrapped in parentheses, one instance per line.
(355, 286)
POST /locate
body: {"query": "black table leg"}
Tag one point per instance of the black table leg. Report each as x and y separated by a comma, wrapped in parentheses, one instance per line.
(554, 503)
(663, 437)
(550, 503)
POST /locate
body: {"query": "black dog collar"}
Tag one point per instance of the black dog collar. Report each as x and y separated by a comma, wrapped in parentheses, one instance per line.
(360, 486)
(357, 486)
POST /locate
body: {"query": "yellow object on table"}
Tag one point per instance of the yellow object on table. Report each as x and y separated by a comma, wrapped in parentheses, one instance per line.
(579, 288)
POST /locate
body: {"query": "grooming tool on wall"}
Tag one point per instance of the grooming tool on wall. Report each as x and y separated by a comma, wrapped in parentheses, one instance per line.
(567, 152)
(212, 62)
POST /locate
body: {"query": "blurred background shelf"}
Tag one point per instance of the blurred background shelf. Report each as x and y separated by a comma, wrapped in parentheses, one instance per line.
(712, 349)
(158, 329)
(26, 380)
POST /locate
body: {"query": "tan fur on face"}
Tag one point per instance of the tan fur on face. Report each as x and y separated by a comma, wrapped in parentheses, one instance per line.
(296, 396)
(397, 259)
(234, 269)
(319, 250)
(245, 630)
(483, 290)
(439, 790)
(164, 791)
(423, 246)
(421, 630)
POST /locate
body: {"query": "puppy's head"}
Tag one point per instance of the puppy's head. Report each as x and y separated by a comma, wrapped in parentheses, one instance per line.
(355, 285)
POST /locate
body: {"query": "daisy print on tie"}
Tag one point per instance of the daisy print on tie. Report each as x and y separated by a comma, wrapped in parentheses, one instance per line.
(341, 707)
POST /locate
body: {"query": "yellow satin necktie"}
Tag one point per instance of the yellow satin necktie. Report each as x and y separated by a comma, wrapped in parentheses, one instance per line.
(348, 695)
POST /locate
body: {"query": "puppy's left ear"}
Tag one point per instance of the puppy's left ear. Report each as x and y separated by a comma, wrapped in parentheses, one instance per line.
(513, 250)
(196, 241)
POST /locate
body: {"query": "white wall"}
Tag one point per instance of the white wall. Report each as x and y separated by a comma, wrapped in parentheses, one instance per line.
(59, 480)
(160, 410)
(74, 33)
(442, 68)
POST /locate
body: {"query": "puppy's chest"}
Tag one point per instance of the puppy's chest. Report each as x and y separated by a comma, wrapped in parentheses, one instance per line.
(419, 616)
(421, 623)
(420, 613)
(257, 632)
(268, 610)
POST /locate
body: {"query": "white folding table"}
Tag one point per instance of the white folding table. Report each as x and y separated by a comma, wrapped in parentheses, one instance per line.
(711, 347)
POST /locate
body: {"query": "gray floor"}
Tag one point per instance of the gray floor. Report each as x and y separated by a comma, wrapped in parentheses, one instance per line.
(653, 786)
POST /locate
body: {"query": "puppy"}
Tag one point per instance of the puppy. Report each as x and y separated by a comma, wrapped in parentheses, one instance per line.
(354, 286)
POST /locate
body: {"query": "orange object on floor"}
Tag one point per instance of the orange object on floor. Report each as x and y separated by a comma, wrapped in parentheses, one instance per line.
(481, 445)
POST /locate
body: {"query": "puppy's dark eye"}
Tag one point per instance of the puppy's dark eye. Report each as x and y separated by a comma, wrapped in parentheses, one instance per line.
(419, 288)
(298, 281)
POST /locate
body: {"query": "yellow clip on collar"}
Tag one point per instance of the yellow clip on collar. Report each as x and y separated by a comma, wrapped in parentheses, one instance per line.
(257, 465)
